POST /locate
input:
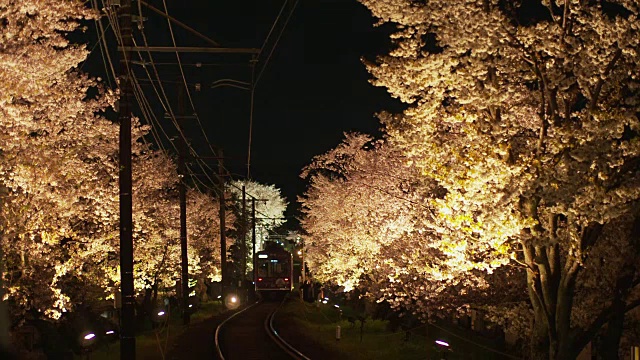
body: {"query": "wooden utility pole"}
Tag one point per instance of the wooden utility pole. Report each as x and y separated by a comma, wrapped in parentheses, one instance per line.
(253, 235)
(127, 314)
(245, 227)
(223, 240)
(184, 278)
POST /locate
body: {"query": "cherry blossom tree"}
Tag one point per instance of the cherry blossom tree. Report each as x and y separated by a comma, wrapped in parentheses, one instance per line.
(364, 220)
(356, 203)
(58, 177)
(270, 208)
(45, 157)
(611, 273)
(526, 114)
(203, 229)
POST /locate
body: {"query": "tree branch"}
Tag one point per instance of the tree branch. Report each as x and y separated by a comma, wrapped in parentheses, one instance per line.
(598, 88)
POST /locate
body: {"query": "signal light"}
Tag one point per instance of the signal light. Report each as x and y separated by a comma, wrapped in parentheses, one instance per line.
(286, 279)
(259, 279)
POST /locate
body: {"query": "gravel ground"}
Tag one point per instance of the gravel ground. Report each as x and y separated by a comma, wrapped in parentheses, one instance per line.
(197, 340)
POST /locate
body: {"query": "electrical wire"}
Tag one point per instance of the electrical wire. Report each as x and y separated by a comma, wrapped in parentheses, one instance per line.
(255, 80)
(145, 105)
(138, 93)
(173, 39)
(277, 39)
(168, 108)
(106, 57)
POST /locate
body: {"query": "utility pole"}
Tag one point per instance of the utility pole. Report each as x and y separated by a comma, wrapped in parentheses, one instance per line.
(253, 234)
(127, 320)
(223, 240)
(184, 279)
(245, 227)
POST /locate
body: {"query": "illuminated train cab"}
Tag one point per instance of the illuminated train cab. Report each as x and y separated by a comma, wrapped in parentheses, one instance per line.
(274, 269)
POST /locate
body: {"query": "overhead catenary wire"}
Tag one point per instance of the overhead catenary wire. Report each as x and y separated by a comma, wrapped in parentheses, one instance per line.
(293, 7)
(106, 57)
(161, 95)
(147, 111)
(255, 79)
(173, 40)
(143, 102)
(166, 104)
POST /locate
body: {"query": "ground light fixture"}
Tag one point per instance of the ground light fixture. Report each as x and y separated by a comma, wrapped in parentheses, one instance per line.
(442, 343)
(232, 301)
(159, 316)
(87, 339)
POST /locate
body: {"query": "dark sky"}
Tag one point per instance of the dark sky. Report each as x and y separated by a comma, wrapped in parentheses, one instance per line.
(313, 88)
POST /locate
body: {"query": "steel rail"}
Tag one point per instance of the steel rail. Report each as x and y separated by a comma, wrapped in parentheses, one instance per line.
(273, 333)
(217, 334)
(269, 328)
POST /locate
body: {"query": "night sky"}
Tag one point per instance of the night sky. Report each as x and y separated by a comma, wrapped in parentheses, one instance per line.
(313, 88)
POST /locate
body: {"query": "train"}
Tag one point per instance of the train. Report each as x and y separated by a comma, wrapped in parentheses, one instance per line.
(274, 269)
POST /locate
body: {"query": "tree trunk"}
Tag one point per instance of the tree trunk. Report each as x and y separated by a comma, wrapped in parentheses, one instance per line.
(610, 342)
(624, 285)
(4, 313)
(551, 295)
(539, 349)
(154, 296)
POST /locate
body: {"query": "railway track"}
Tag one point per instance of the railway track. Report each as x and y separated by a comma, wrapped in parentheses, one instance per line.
(249, 334)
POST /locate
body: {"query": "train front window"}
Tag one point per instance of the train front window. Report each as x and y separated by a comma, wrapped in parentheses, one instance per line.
(272, 268)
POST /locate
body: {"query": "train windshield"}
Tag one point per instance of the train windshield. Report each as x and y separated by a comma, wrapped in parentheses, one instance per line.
(272, 267)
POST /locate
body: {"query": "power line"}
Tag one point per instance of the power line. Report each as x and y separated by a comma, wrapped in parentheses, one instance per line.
(161, 94)
(173, 40)
(255, 79)
(191, 150)
(295, 3)
(106, 57)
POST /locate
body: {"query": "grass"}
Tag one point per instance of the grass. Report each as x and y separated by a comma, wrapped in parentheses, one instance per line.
(375, 340)
(151, 344)
(371, 342)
